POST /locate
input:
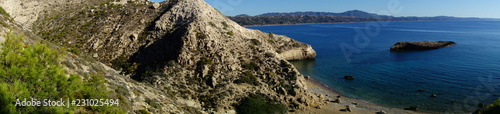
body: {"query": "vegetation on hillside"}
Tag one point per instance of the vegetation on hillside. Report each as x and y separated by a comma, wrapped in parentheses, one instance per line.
(33, 71)
(492, 108)
(3, 12)
(4, 17)
(259, 104)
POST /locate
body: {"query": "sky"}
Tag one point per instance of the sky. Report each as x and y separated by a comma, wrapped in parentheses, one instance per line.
(457, 8)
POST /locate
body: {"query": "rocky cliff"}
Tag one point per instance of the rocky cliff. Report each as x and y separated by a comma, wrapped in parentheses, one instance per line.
(180, 52)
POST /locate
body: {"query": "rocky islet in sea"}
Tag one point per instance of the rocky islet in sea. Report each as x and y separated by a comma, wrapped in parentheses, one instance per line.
(421, 45)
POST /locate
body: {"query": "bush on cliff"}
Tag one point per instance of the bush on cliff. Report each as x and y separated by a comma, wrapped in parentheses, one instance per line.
(493, 108)
(34, 72)
(259, 104)
(3, 12)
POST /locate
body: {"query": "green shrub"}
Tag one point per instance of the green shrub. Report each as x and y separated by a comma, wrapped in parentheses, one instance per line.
(259, 104)
(251, 66)
(206, 61)
(231, 33)
(493, 108)
(3, 24)
(270, 41)
(6, 99)
(201, 35)
(249, 78)
(255, 42)
(153, 103)
(123, 63)
(209, 100)
(74, 51)
(142, 111)
(3, 12)
(212, 24)
(34, 71)
(271, 35)
(225, 25)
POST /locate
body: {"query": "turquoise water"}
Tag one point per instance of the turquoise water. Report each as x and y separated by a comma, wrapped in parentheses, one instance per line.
(461, 76)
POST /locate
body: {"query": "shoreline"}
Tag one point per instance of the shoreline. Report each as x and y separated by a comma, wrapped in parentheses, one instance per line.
(357, 106)
(337, 22)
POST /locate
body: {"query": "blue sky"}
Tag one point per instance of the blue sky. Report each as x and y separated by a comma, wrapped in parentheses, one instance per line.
(458, 8)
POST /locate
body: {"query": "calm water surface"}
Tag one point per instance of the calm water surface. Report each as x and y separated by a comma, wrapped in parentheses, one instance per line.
(461, 76)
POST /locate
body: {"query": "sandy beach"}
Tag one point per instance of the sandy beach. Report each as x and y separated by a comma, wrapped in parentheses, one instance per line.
(356, 106)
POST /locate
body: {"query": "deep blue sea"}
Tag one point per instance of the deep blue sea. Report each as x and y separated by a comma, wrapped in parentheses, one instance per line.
(462, 76)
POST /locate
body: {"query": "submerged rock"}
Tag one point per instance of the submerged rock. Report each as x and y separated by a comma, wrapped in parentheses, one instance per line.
(381, 112)
(349, 77)
(413, 108)
(424, 45)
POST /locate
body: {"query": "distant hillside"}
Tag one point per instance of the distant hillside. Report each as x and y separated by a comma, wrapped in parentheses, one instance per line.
(329, 17)
(351, 13)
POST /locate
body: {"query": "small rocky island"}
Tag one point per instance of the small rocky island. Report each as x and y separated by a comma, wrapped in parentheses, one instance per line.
(423, 45)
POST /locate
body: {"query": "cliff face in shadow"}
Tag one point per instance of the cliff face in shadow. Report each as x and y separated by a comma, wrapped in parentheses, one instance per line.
(183, 53)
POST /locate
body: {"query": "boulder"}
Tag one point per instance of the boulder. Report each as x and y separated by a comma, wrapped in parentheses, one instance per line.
(381, 112)
(156, 5)
(423, 45)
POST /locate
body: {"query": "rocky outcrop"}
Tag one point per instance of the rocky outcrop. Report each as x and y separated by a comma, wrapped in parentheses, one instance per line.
(188, 52)
(135, 97)
(26, 12)
(424, 45)
(299, 53)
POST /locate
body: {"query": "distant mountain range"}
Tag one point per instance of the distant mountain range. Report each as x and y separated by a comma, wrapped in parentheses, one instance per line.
(329, 17)
(354, 13)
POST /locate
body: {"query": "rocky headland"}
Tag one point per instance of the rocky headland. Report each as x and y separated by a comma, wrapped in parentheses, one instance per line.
(423, 45)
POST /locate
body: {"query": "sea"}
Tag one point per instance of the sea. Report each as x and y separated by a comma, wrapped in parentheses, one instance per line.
(461, 76)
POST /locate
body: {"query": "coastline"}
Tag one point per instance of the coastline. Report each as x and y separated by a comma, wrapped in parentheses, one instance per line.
(329, 23)
(357, 106)
(342, 22)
